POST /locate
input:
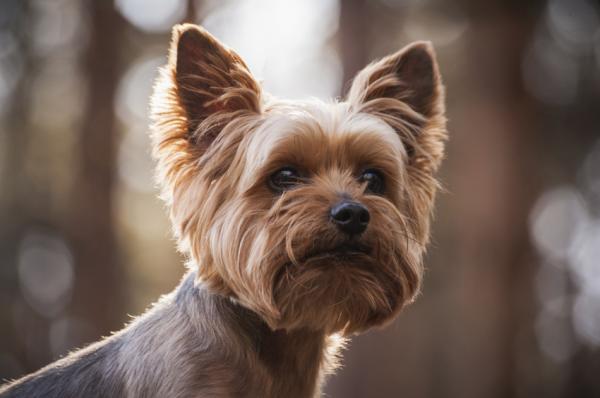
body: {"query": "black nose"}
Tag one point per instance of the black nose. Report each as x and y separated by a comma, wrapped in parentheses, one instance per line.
(350, 217)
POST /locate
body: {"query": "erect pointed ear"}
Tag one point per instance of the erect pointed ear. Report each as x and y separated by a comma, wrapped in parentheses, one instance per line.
(405, 90)
(203, 86)
(201, 95)
(210, 77)
(411, 75)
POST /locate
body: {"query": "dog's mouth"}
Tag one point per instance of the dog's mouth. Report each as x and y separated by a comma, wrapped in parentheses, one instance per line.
(341, 251)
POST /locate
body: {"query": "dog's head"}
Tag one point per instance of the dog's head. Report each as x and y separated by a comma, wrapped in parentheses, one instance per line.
(313, 215)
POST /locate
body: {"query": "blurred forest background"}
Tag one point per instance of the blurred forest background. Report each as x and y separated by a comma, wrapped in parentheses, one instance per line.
(511, 303)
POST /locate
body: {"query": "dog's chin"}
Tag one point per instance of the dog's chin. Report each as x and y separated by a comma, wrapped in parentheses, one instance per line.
(343, 289)
(345, 253)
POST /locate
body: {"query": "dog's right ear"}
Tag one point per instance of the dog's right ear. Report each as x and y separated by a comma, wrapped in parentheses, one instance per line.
(210, 78)
(202, 96)
(203, 86)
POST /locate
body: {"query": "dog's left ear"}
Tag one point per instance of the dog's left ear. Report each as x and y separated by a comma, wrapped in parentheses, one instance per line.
(410, 75)
(405, 90)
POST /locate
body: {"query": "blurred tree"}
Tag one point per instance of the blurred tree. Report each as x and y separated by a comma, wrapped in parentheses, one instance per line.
(353, 36)
(14, 214)
(98, 295)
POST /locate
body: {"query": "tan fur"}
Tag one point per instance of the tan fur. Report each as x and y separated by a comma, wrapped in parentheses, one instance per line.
(271, 298)
(218, 138)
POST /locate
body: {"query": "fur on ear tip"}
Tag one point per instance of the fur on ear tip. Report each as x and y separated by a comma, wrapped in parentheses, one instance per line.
(423, 48)
(424, 51)
(190, 38)
(419, 52)
(176, 32)
(187, 29)
(426, 45)
(417, 66)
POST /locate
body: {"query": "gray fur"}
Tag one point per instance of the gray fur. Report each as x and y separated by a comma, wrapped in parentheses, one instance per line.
(190, 344)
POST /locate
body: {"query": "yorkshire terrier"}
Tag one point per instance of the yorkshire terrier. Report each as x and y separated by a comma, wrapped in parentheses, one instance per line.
(304, 222)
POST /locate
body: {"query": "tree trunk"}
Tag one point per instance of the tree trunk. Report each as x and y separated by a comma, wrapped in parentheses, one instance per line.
(98, 296)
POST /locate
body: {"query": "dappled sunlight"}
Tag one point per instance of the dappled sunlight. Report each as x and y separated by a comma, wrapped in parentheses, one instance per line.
(46, 273)
(510, 304)
(152, 15)
(286, 44)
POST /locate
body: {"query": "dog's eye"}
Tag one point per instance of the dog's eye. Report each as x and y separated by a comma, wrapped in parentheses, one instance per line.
(284, 179)
(374, 180)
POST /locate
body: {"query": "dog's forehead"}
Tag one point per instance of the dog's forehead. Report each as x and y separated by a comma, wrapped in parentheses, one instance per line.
(318, 125)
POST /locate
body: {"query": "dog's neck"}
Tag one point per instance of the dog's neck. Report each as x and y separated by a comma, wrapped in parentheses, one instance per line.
(231, 347)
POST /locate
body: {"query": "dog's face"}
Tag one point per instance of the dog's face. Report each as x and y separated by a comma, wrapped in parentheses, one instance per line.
(314, 215)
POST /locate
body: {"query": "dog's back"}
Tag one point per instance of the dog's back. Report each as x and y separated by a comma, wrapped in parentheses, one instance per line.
(86, 373)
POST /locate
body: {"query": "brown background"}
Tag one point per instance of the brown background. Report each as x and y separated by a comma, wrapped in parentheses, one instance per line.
(511, 302)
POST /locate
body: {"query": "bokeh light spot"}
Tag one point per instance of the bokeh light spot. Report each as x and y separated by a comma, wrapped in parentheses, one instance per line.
(152, 15)
(45, 267)
(554, 219)
(284, 43)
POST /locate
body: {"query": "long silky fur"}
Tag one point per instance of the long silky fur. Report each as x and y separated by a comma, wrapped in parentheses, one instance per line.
(269, 302)
(250, 245)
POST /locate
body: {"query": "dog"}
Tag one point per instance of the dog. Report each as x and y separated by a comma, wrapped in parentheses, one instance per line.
(304, 222)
